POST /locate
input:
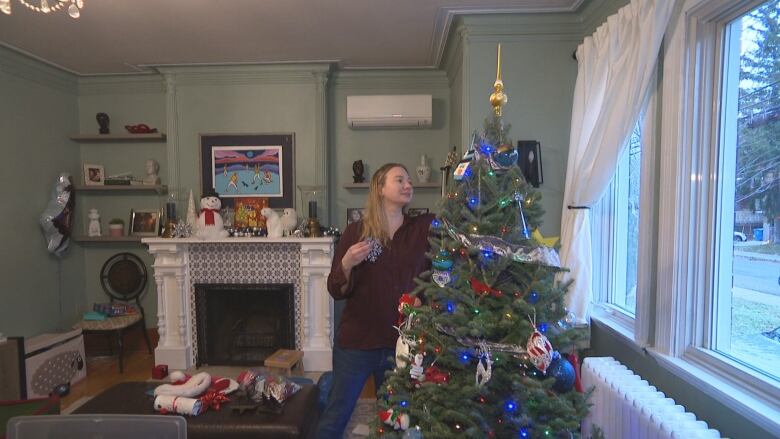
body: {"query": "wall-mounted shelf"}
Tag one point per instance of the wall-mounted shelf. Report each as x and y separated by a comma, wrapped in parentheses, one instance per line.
(121, 187)
(107, 238)
(416, 185)
(95, 138)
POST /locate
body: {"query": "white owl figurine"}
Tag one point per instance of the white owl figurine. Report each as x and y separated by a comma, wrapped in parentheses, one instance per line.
(210, 225)
(289, 221)
(273, 222)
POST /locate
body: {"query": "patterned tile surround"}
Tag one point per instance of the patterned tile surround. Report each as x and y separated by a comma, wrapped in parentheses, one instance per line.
(182, 263)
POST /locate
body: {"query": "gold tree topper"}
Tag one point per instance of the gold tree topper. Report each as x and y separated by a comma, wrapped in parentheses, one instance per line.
(498, 98)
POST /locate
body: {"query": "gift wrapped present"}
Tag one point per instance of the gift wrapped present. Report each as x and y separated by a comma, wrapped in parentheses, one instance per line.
(260, 386)
(114, 309)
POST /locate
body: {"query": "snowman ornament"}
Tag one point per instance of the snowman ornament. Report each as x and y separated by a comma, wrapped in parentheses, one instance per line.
(210, 225)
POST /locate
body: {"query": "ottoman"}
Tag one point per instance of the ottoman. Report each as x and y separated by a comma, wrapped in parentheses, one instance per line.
(297, 420)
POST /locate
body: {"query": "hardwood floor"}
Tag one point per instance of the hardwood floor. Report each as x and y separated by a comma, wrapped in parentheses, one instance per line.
(103, 371)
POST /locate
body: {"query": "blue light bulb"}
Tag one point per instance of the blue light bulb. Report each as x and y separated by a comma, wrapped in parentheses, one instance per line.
(510, 406)
(542, 327)
(533, 297)
(450, 307)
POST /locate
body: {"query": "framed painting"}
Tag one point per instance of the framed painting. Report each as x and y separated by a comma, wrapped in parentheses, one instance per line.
(355, 214)
(249, 165)
(414, 211)
(144, 222)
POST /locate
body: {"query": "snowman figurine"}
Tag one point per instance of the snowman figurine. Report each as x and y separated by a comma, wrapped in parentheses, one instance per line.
(210, 225)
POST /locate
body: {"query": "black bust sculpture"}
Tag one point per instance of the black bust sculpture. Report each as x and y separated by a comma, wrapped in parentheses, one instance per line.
(357, 170)
(102, 120)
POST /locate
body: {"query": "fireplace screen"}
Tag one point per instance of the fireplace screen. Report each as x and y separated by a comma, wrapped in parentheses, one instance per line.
(242, 324)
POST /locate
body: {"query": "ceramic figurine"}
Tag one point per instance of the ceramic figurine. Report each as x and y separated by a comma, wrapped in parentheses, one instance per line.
(94, 222)
(423, 171)
(357, 170)
(152, 168)
(102, 120)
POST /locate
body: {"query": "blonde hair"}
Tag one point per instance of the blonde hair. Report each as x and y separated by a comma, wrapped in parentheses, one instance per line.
(375, 220)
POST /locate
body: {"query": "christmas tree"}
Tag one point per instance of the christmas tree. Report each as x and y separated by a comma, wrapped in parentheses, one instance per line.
(485, 355)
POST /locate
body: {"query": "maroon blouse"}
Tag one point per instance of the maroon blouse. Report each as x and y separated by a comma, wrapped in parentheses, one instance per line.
(374, 288)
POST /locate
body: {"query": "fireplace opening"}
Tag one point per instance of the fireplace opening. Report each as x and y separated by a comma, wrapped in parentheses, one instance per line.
(243, 324)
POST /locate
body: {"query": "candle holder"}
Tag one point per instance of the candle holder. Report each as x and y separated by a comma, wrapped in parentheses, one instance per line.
(172, 200)
(311, 196)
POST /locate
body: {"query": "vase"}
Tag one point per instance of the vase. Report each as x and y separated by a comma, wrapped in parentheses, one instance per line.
(423, 171)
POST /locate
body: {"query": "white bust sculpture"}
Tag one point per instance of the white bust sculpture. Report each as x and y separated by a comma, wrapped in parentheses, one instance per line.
(152, 168)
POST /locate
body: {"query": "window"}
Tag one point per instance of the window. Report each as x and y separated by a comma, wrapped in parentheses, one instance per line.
(746, 292)
(615, 231)
(718, 306)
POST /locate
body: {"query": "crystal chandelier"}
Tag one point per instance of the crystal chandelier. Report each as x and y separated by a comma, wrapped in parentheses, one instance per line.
(47, 6)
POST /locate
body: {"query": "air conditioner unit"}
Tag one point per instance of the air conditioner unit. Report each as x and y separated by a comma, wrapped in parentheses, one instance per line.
(389, 111)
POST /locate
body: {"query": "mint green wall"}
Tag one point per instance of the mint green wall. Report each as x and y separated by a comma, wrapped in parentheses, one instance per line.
(539, 74)
(128, 100)
(250, 100)
(40, 292)
(381, 145)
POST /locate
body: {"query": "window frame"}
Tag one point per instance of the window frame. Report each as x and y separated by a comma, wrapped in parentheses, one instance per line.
(688, 188)
(637, 326)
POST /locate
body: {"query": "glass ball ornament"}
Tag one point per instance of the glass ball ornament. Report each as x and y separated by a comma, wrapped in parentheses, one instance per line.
(563, 372)
(505, 157)
(442, 261)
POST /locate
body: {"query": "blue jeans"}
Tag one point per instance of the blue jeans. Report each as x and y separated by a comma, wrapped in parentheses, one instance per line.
(351, 368)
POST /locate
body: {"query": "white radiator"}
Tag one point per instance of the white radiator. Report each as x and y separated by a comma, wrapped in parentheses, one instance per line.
(626, 406)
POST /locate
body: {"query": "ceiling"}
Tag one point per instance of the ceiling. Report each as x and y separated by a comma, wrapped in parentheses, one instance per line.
(128, 36)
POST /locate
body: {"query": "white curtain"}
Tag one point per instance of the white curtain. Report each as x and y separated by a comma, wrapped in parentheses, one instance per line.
(615, 68)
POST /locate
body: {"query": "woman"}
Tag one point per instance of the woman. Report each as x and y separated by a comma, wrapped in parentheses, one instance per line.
(376, 261)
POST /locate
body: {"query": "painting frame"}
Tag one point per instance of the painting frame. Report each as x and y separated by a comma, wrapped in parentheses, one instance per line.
(358, 212)
(145, 222)
(415, 211)
(94, 175)
(215, 151)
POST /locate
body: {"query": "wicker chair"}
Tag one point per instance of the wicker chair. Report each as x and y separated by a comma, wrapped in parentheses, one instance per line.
(123, 278)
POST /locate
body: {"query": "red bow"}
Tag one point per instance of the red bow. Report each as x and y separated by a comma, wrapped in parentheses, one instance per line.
(482, 288)
(214, 400)
(209, 216)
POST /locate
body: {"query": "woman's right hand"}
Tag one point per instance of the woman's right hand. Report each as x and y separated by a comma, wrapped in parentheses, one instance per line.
(355, 255)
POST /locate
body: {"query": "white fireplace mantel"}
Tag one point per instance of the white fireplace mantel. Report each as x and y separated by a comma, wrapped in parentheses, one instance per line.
(179, 263)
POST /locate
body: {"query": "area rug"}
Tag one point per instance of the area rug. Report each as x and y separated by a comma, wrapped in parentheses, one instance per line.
(365, 410)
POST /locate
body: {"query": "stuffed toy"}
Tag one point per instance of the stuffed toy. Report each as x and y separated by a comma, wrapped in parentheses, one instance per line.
(210, 225)
(273, 222)
(289, 221)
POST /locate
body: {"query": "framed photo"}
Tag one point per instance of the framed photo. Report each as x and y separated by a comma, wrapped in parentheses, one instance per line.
(355, 214)
(249, 165)
(530, 161)
(144, 222)
(94, 175)
(414, 211)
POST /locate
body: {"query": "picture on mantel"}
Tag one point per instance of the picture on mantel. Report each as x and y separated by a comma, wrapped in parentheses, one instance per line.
(249, 165)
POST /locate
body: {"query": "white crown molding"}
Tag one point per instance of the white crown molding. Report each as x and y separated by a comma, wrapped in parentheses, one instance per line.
(245, 74)
(29, 67)
(134, 83)
(447, 15)
(390, 79)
